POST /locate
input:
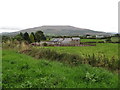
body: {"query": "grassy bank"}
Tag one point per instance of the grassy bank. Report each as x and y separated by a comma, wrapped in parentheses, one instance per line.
(22, 71)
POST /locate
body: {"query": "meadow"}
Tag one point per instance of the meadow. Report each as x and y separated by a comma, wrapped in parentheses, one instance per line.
(91, 40)
(110, 50)
(23, 71)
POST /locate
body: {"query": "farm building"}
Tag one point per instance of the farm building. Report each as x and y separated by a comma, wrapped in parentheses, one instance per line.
(63, 41)
(67, 41)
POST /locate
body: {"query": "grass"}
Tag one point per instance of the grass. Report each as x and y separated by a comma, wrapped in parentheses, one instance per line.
(0, 63)
(115, 39)
(91, 40)
(108, 49)
(22, 71)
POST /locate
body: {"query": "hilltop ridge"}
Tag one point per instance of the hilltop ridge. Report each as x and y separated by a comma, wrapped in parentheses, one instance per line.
(62, 30)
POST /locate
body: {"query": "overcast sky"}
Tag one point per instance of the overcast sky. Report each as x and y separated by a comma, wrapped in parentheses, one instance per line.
(99, 15)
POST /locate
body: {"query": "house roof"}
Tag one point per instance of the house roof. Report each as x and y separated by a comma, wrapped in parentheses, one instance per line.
(76, 38)
(66, 40)
(57, 39)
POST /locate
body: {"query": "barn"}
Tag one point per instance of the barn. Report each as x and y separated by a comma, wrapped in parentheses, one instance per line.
(60, 42)
(67, 41)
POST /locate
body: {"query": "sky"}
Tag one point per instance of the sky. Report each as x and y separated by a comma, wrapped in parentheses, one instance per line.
(98, 15)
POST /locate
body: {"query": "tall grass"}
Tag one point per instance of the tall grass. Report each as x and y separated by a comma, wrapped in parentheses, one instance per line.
(16, 45)
(23, 71)
(73, 59)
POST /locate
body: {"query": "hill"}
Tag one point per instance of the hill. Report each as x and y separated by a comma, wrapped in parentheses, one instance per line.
(62, 30)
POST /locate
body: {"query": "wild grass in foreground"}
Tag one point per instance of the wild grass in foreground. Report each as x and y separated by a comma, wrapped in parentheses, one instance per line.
(22, 71)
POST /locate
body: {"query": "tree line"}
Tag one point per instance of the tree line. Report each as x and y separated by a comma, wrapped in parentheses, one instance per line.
(30, 38)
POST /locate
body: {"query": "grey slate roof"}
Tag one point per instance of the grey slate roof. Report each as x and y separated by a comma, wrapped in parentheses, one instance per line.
(64, 40)
(76, 38)
(57, 39)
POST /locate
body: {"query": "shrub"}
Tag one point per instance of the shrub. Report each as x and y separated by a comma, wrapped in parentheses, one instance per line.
(100, 41)
(44, 44)
(108, 40)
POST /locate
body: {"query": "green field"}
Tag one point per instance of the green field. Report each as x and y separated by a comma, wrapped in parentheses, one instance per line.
(91, 40)
(22, 71)
(110, 50)
(115, 39)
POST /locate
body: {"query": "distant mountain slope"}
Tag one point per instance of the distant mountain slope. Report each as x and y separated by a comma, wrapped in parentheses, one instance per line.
(62, 30)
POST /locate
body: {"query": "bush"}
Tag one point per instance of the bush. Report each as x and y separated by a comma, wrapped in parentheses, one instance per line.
(44, 44)
(108, 40)
(100, 41)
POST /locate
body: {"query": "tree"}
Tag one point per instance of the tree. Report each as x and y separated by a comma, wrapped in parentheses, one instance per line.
(21, 34)
(117, 35)
(18, 37)
(32, 37)
(39, 36)
(5, 38)
(26, 37)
